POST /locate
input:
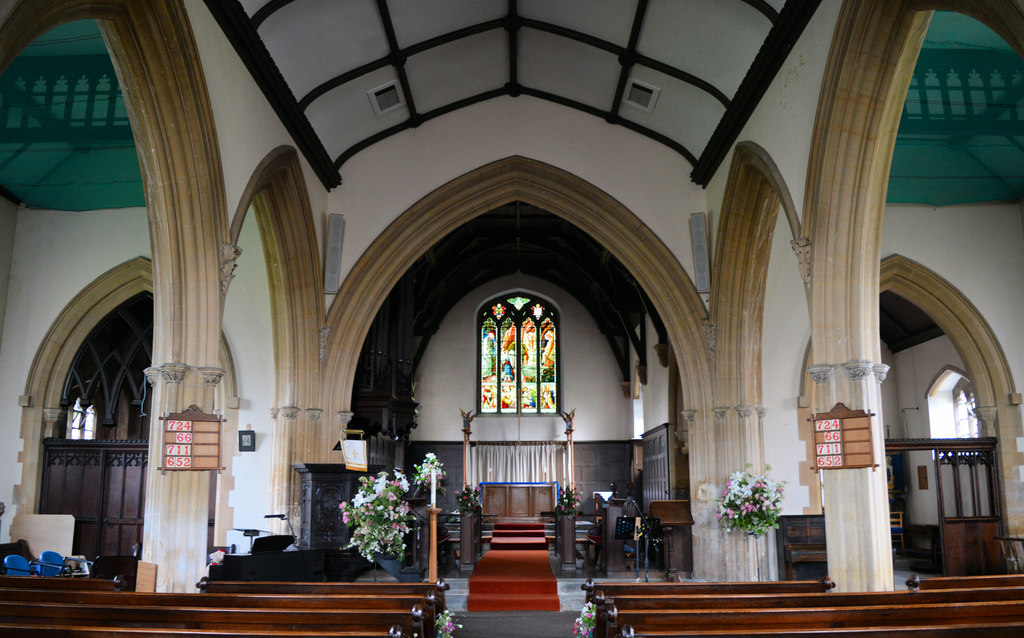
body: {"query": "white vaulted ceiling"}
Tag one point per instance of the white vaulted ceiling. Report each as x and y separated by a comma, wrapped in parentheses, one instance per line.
(317, 60)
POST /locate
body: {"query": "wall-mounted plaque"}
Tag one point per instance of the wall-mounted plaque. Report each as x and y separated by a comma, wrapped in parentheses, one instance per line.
(191, 440)
(842, 439)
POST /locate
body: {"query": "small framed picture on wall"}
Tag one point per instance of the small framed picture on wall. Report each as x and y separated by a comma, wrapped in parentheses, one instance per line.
(246, 440)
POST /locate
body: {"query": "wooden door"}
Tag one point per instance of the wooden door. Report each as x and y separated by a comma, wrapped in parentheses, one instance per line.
(103, 485)
(656, 472)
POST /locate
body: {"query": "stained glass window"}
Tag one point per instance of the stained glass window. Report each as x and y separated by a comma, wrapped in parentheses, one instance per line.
(518, 356)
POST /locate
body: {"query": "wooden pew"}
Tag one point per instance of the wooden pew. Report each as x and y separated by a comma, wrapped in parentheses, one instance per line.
(393, 602)
(15, 630)
(662, 622)
(686, 588)
(57, 616)
(999, 630)
(64, 582)
(327, 588)
(962, 582)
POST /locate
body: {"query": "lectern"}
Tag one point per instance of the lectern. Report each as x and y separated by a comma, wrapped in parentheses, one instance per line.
(677, 521)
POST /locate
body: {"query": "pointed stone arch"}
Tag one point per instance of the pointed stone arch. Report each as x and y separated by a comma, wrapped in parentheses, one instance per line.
(869, 67)
(985, 364)
(158, 66)
(277, 195)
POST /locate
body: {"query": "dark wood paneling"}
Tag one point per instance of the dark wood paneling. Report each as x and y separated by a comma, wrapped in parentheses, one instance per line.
(510, 500)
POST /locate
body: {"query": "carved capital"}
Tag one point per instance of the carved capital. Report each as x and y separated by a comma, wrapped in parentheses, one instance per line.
(762, 412)
(289, 412)
(152, 374)
(858, 369)
(228, 262)
(274, 412)
(987, 414)
(802, 248)
(325, 332)
(682, 435)
(52, 415)
(211, 376)
(173, 372)
(744, 410)
(881, 371)
(821, 372)
(344, 416)
(314, 414)
(690, 416)
(711, 336)
(720, 413)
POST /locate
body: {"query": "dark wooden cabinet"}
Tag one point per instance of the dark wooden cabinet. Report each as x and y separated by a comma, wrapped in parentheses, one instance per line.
(323, 487)
(802, 548)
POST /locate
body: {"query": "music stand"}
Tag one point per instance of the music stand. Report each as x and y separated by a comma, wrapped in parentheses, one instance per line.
(625, 526)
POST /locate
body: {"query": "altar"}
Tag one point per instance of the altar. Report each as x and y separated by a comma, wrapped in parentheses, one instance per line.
(516, 500)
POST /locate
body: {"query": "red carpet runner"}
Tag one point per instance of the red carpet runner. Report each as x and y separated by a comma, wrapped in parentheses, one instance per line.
(515, 574)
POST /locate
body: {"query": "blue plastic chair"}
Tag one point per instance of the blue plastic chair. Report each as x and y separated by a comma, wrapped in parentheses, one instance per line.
(17, 565)
(50, 563)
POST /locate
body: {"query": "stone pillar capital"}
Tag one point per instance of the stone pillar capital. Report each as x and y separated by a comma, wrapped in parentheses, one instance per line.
(690, 416)
(173, 372)
(152, 374)
(52, 415)
(289, 412)
(987, 414)
(744, 410)
(881, 371)
(858, 369)
(344, 416)
(273, 413)
(720, 413)
(211, 376)
(821, 372)
(314, 414)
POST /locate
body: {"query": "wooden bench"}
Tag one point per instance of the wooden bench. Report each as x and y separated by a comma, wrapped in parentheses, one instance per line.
(612, 589)
(16, 630)
(795, 600)
(999, 630)
(325, 588)
(393, 602)
(962, 582)
(379, 622)
(64, 582)
(662, 622)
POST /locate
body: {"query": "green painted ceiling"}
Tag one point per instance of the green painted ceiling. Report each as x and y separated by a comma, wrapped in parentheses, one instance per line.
(65, 140)
(961, 136)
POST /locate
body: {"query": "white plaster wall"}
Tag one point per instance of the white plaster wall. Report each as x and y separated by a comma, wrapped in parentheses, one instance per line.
(56, 254)
(8, 224)
(979, 248)
(446, 378)
(247, 328)
(786, 333)
(386, 179)
(783, 121)
(247, 126)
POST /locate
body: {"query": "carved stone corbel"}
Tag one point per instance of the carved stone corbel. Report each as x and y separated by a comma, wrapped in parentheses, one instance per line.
(173, 372)
(289, 412)
(720, 413)
(858, 369)
(821, 372)
(744, 410)
(314, 414)
(229, 254)
(211, 376)
(802, 248)
(881, 371)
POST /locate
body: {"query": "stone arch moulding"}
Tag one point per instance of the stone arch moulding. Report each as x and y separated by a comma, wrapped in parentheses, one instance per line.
(984, 361)
(56, 351)
(473, 194)
(941, 376)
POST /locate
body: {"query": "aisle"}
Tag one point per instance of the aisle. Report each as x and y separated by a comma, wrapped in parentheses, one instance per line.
(515, 574)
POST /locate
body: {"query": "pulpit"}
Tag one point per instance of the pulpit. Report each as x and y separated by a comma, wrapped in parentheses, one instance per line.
(323, 487)
(677, 522)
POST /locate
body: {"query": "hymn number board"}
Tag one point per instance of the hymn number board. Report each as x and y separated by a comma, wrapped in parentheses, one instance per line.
(842, 439)
(191, 440)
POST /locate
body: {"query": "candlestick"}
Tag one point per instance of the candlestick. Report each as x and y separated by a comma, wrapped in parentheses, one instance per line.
(433, 488)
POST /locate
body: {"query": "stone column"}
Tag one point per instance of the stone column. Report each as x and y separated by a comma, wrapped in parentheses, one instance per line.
(177, 502)
(856, 500)
(280, 465)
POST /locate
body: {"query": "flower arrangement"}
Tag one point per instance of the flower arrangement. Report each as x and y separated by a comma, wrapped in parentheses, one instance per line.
(468, 500)
(446, 624)
(378, 516)
(421, 472)
(568, 502)
(751, 502)
(583, 627)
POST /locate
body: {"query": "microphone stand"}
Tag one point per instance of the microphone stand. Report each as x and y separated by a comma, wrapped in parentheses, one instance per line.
(647, 540)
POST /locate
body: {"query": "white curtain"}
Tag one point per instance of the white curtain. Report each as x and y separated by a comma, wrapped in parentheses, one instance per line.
(529, 462)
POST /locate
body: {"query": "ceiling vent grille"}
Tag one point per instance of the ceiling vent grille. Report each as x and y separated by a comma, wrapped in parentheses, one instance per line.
(642, 96)
(384, 98)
